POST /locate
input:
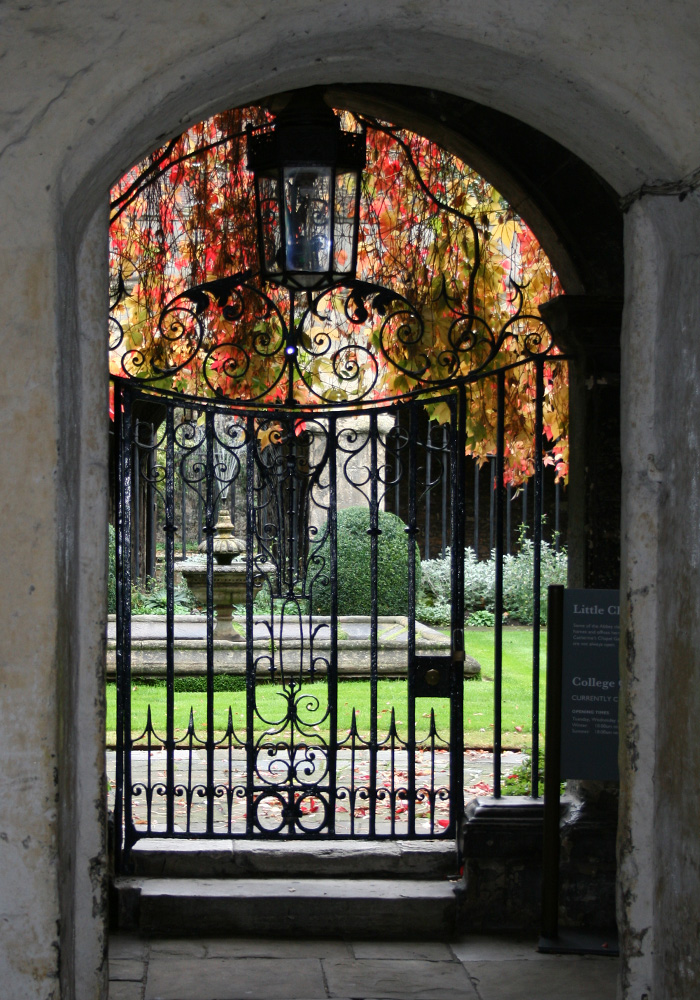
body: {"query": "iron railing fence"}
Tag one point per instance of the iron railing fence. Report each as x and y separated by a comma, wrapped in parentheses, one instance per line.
(480, 500)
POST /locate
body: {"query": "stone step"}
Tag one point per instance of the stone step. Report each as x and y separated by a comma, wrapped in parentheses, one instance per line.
(289, 907)
(174, 858)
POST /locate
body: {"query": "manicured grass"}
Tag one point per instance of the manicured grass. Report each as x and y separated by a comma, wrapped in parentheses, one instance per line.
(478, 701)
(516, 700)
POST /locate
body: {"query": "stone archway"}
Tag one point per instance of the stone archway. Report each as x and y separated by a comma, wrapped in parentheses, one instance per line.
(569, 265)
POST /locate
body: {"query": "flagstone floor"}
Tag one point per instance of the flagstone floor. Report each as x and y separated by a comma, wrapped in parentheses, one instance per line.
(471, 968)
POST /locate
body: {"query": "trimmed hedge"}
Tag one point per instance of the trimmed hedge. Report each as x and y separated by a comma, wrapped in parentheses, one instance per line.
(354, 566)
(198, 682)
(194, 682)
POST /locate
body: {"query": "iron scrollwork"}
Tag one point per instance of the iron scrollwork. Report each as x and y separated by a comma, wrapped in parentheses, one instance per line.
(344, 346)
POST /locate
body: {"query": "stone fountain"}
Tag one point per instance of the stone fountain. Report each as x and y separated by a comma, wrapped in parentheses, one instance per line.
(229, 577)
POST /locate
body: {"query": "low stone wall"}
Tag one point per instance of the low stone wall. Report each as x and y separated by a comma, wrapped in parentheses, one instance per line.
(148, 655)
(501, 846)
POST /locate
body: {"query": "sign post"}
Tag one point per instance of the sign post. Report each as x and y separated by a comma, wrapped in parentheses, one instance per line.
(583, 628)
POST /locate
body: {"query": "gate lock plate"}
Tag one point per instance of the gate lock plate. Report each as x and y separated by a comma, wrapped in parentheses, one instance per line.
(432, 676)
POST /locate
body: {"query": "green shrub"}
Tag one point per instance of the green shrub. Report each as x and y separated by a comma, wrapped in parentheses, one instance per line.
(481, 619)
(518, 600)
(480, 581)
(436, 580)
(519, 781)
(479, 577)
(152, 599)
(198, 682)
(354, 566)
(439, 615)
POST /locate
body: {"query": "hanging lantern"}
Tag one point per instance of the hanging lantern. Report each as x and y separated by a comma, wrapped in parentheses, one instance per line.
(307, 190)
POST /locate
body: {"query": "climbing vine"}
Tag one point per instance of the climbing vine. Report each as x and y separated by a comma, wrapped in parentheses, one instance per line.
(431, 229)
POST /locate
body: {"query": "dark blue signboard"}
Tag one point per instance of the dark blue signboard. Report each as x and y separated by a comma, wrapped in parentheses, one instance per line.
(590, 685)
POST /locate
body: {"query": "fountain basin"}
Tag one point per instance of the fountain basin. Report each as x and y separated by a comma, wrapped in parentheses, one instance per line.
(148, 646)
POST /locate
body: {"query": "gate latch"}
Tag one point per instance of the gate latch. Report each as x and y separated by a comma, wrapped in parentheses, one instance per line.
(432, 676)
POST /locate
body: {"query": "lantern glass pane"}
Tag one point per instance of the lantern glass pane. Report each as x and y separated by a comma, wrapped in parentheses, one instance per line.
(307, 202)
(268, 195)
(344, 222)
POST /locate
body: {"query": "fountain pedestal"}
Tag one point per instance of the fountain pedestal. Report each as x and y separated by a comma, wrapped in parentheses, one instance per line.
(229, 577)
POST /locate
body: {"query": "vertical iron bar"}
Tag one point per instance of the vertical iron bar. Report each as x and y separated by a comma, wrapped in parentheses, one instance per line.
(536, 574)
(509, 501)
(332, 679)
(119, 651)
(524, 521)
(428, 470)
(397, 467)
(476, 508)
(122, 419)
(374, 565)
(557, 500)
(210, 504)
(169, 618)
(412, 531)
(150, 507)
(183, 504)
(458, 471)
(552, 769)
(446, 458)
(291, 518)
(136, 504)
(493, 461)
(498, 604)
(250, 656)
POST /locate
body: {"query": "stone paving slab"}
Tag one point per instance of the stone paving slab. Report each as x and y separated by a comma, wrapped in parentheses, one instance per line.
(125, 991)
(127, 969)
(429, 951)
(479, 948)
(189, 948)
(492, 968)
(560, 978)
(123, 946)
(171, 978)
(391, 979)
(270, 948)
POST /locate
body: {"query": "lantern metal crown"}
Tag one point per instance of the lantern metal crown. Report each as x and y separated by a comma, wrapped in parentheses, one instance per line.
(307, 173)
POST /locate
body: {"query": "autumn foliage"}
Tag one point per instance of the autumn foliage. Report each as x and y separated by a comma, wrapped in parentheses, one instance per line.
(431, 229)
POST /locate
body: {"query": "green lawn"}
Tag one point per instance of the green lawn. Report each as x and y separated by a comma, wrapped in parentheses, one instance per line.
(478, 700)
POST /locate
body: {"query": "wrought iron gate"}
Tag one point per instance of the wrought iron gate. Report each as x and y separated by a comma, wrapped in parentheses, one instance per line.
(347, 726)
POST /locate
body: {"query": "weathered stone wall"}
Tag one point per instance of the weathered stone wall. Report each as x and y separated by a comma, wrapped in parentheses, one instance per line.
(658, 840)
(87, 88)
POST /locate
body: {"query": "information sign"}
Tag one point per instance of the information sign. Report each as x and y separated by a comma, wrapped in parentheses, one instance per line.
(590, 685)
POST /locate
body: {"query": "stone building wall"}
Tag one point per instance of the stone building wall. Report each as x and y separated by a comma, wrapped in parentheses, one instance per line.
(87, 89)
